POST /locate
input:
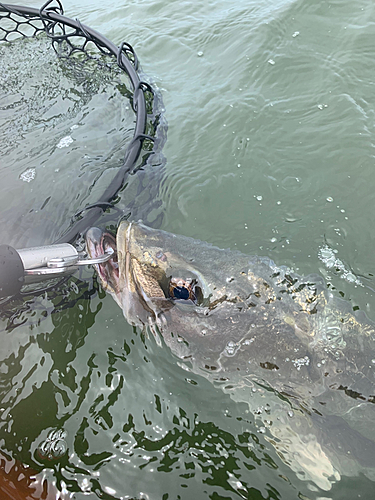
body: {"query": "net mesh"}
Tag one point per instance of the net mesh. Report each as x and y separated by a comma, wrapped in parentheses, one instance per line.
(82, 45)
(14, 24)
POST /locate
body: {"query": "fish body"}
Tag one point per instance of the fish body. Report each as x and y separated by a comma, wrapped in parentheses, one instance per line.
(281, 342)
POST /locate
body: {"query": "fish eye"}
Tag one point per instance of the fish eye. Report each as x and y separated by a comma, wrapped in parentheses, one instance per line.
(161, 256)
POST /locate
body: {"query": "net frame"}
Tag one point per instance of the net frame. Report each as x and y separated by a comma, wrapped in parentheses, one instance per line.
(73, 40)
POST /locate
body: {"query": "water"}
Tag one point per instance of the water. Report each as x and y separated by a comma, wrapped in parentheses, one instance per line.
(270, 151)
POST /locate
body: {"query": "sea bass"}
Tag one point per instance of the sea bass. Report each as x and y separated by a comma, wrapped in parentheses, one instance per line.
(296, 353)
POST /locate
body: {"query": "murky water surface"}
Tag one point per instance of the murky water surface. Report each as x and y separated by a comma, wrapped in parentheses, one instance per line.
(270, 151)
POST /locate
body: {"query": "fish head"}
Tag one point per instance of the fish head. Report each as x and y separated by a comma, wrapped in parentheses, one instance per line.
(151, 271)
(191, 289)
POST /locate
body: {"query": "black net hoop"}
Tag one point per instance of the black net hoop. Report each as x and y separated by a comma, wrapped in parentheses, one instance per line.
(73, 40)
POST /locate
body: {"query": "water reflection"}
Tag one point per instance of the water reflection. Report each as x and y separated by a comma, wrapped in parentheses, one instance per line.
(126, 407)
(94, 405)
(75, 403)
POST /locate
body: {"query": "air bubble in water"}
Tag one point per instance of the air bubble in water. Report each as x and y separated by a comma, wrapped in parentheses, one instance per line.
(328, 257)
(65, 141)
(28, 175)
(54, 446)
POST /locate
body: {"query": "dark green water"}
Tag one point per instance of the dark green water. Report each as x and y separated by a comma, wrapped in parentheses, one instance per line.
(270, 151)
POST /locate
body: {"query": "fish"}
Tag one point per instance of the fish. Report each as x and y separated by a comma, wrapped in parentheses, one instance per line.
(285, 344)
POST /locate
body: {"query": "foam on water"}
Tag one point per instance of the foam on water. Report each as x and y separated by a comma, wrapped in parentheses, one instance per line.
(329, 258)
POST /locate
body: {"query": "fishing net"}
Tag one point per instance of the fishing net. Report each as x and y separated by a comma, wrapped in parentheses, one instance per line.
(85, 52)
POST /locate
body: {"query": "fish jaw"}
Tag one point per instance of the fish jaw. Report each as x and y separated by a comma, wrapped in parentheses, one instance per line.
(97, 243)
(142, 297)
(122, 276)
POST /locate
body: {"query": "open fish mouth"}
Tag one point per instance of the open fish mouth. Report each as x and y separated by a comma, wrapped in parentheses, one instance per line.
(99, 242)
(144, 279)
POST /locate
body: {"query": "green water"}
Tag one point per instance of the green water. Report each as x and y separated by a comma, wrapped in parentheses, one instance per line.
(270, 151)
